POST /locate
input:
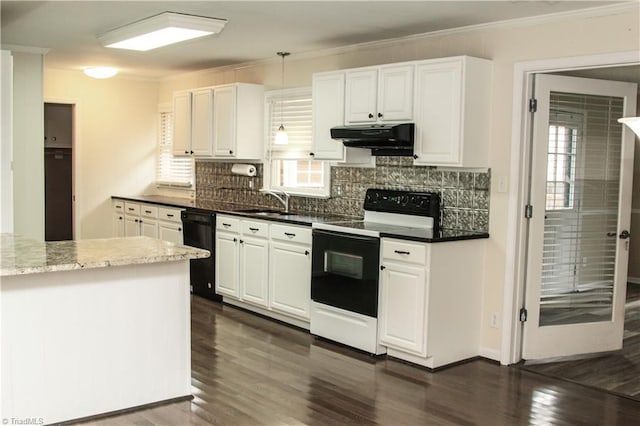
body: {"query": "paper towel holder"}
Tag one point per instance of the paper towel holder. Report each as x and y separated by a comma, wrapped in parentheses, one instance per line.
(243, 169)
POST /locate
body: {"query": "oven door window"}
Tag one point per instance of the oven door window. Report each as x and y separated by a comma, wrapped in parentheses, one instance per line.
(345, 270)
(347, 265)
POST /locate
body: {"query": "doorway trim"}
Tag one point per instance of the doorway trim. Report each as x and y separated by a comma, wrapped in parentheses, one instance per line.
(511, 348)
(75, 132)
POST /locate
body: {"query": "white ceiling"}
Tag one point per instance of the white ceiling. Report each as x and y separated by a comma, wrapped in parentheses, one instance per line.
(256, 30)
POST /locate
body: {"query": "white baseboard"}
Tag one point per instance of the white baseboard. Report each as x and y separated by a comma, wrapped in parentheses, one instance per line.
(633, 280)
(490, 353)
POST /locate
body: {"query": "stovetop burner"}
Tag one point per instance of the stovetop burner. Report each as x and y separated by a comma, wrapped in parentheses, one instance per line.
(393, 211)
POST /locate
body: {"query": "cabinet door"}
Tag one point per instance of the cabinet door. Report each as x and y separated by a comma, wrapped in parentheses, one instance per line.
(171, 232)
(395, 93)
(290, 279)
(182, 123)
(118, 225)
(224, 121)
(227, 264)
(202, 123)
(328, 111)
(254, 270)
(149, 227)
(403, 313)
(361, 96)
(438, 113)
(131, 226)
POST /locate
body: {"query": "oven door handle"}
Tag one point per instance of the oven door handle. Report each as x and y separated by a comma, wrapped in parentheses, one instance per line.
(344, 235)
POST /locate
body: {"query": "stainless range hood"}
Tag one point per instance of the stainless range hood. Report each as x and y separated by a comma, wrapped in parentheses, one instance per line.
(392, 140)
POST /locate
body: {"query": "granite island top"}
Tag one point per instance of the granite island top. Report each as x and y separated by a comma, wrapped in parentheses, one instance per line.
(21, 255)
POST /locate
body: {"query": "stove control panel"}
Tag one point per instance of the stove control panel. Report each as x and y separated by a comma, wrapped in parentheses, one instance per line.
(403, 202)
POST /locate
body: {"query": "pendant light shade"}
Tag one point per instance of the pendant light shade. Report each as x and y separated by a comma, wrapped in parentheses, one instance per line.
(282, 138)
(633, 123)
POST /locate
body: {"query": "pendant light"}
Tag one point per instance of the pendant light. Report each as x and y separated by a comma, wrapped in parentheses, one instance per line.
(633, 123)
(281, 135)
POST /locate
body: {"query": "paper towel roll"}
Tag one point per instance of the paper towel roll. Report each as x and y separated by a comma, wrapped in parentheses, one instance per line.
(243, 169)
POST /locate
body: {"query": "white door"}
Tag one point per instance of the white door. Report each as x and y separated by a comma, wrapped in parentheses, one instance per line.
(202, 123)
(361, 96)
(328, 111)
(224, 121)
(227, 264)
(254, 270)
(580, 193)
(171, 232)
(149, 227)
(290, 279)
(395, 95)
(182, 123)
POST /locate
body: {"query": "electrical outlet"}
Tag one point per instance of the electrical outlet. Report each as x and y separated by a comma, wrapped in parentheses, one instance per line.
(495, 319)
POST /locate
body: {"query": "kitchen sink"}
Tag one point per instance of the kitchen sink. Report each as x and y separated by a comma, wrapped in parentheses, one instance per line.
(262, 212)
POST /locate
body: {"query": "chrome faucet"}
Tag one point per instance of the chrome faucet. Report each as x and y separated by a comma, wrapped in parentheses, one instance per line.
(281, 196)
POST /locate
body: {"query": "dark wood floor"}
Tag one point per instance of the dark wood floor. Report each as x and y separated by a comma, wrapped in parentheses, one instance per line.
(617, 372)
(247, 370)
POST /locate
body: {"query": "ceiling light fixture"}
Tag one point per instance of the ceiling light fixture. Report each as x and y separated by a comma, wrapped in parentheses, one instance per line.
(281, 135)
(633, 123)
(100, 72)
(161, 30)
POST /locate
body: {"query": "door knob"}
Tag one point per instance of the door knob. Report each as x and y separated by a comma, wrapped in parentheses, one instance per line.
(624, 235)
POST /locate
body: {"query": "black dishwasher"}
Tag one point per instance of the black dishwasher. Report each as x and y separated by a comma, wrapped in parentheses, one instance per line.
(199, 231)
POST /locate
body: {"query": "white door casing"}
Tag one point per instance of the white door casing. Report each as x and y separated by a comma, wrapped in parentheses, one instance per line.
(563, 339)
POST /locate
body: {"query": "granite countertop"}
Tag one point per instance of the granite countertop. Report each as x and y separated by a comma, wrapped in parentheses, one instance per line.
(307, 219)
(21, 255)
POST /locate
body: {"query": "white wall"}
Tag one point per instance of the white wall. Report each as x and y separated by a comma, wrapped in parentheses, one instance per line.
(28, 145)
(114, 144)
(506, 45)
(6, 144)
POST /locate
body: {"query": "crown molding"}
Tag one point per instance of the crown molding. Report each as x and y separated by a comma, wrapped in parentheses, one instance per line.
(510, 23)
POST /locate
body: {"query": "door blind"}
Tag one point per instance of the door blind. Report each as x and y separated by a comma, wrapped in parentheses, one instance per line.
(581, 216)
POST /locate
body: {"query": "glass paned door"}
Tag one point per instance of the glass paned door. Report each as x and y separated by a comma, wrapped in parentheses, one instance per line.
(581, 170)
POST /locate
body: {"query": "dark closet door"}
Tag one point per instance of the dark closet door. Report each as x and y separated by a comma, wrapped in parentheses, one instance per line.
(57, 199)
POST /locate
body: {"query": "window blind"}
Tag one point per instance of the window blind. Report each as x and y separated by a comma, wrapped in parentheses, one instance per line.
(170, 170)
(578, 255)
(293, 109)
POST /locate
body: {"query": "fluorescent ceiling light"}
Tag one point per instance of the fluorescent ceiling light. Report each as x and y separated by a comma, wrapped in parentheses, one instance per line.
(161, 30)
(100, 72)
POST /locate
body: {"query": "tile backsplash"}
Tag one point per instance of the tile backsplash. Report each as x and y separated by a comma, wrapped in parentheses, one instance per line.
(465, 194)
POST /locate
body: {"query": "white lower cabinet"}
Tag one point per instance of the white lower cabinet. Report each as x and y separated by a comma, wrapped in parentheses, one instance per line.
(254, 262)
(290, 273)
(429, 305)
(264, 267)
(133, 219)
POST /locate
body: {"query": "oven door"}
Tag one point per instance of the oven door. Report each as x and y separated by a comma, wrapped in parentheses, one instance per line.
(345, 271)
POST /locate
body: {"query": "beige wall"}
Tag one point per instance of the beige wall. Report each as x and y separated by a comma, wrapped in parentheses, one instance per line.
(28, 145)
(505, 45)
(115, 142)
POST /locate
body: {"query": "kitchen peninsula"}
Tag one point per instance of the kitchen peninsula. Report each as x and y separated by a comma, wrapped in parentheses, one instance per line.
(92, 326)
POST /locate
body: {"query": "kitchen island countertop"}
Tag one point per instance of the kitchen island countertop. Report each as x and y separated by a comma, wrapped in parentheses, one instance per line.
(21, 255)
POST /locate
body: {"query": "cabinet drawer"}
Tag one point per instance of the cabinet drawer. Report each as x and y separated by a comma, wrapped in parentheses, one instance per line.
(118, 205)
(295, 234)
(255, 228)
(131, 208)
(404, 252)
(226, 223)
(148, 211)
(171, 215)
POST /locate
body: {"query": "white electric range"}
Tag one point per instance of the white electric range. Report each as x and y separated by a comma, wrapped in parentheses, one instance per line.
(346, 264)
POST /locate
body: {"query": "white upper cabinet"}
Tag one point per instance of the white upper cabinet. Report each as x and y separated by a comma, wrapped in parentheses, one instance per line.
(328, 98)
(452, 112)
(202, 122)
(238, 117)
(379, 95)
(182, 123)
(219, 122)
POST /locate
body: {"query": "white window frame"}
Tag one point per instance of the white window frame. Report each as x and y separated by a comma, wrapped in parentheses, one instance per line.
(164, 182)
(292, 151)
